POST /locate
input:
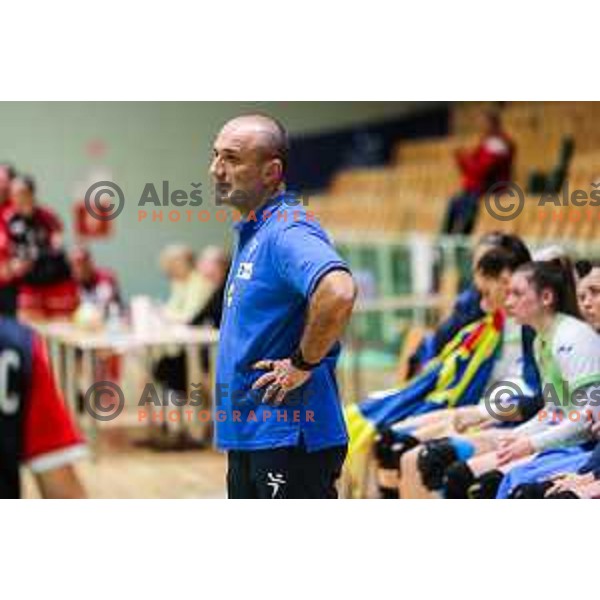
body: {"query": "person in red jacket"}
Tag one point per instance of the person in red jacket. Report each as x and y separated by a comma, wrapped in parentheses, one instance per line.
(46, 288)
(8, 288)
(487, 165)
(97, 285)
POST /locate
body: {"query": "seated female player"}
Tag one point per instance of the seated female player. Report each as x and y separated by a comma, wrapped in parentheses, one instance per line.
(576, 467)
(511, 394)
(584, 484)
(513, 362)
(567, 352)
(467, 307)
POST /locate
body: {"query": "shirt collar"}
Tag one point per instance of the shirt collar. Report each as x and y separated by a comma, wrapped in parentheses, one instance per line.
(256, 218)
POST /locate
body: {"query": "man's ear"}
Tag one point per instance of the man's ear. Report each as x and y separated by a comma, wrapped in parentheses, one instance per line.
(273, 170)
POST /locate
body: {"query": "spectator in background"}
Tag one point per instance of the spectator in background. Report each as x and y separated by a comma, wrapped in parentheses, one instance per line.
(97, 286)
(8, 289)
(488, 164)
(213, 265)
(190, 290)
(7, 174)
(192, 301)
(46, 289)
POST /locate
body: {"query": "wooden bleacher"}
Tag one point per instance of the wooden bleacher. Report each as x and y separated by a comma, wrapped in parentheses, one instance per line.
(411, 195)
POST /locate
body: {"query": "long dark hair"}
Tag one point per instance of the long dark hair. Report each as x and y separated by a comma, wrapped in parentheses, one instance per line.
(511, 243)
(558, 276)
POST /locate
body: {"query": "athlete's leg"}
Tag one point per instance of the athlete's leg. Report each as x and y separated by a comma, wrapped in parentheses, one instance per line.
(239, 482)
(315, 473)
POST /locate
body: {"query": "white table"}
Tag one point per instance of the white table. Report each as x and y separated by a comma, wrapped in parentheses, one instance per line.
(65, 340)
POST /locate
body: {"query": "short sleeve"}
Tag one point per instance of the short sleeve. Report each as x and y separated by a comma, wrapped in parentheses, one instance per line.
(303, 255)
(51, 439)
(578, 356)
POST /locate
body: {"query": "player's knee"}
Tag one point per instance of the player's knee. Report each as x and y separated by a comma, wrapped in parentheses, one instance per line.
(458, 479)
(564, 495)
(530, 491)
(486, 486)
(391, 446)
(433, 460)
(409, 460)
(389, 450)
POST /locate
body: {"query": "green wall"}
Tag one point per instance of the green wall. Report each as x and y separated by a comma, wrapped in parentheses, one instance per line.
(146, 142)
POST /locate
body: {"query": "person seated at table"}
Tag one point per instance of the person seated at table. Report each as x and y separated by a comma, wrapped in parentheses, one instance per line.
(46, 289)
(568, 354)
(213, 264)
(191, 291)
(99, 293)
(97, 285)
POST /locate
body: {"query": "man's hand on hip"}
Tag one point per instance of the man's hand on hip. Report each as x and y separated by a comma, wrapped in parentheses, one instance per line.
(282, 377)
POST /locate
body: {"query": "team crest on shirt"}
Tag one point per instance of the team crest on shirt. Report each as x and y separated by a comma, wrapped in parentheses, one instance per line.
(564, 349)
(245, 270)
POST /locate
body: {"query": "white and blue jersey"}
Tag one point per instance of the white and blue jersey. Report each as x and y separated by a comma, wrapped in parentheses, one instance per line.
(281, 255)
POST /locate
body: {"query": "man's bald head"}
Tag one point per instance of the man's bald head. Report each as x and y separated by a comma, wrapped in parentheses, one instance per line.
(263, 133)
(249, 161)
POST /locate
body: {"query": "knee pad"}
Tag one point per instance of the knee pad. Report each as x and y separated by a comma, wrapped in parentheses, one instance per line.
(433, 461)
(529, 407)
(486, 487)
(566, 495)
(390, 446)
(459, 478)
(530, 491)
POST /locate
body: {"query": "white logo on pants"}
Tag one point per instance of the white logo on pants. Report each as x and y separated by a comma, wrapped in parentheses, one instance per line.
(276, 480)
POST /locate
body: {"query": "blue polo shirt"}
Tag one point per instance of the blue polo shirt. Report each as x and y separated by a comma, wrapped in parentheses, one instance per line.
(281, 254)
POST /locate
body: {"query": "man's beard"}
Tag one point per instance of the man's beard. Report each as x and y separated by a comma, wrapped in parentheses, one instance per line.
(240, 199)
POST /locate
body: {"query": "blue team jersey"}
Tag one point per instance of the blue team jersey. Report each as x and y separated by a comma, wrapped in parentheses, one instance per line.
(281, 255)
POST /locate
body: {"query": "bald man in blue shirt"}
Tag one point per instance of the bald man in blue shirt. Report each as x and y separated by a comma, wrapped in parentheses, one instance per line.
(288, 299)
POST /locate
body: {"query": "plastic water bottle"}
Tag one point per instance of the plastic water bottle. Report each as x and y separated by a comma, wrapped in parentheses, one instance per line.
(113, 321)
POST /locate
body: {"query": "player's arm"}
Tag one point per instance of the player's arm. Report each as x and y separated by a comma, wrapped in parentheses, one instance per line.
(51, 442)
(60, 483)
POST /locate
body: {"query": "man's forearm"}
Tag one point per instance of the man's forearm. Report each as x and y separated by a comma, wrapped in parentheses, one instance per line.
(329, 311)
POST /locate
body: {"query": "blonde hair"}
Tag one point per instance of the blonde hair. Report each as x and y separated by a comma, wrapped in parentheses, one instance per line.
(174, 252)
